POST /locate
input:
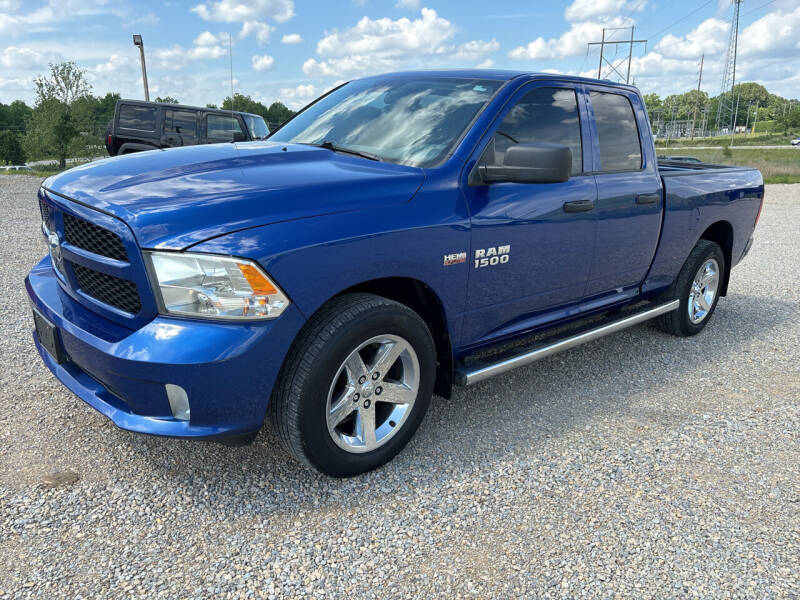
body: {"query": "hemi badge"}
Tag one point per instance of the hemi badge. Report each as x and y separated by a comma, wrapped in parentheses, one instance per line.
(455, 259)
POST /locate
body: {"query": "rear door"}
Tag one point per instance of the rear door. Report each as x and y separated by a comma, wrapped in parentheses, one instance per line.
(531, 242)
(180, 127)
(629, 199)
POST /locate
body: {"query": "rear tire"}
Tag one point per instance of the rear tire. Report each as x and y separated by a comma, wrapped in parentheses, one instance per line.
(697, 287)
(355, 385)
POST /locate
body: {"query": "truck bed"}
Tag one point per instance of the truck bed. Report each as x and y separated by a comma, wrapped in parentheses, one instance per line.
(677, 168)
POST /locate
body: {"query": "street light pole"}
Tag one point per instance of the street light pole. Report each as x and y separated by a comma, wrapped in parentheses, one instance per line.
(137, 41)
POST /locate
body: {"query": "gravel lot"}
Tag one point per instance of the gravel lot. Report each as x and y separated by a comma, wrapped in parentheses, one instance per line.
(641, 465)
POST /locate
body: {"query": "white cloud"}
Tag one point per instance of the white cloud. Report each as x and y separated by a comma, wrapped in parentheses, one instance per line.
(240, 11)
(209, 39)
(570, 43)
(260, 29)
(21, 58)
(206, 46)
(115, 64)
(301, 91)
(292, 38)
(487, 64)
(583, 10)
(475, 50)
(263, 63)
(389, 38)
(298, 97)
(408, 4)
(10, 6)
(777, 32)
(710, 37)
(373, 45)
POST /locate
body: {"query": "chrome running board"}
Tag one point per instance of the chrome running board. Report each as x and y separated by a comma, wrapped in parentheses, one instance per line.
(472, 374)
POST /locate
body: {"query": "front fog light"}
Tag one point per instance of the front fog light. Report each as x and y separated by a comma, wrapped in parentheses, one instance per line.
(217, 287)
(178, 401)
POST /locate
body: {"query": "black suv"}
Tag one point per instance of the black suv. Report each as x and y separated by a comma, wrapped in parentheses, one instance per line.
(140, 125)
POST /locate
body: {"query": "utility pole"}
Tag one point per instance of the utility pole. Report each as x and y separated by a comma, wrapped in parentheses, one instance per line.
(733, 117)
(697, 100)
(630, 57)
(726, 102)
(755, 121)
(137, 41)
(603, 43)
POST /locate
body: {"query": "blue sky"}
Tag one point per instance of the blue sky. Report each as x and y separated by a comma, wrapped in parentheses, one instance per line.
(292, 51)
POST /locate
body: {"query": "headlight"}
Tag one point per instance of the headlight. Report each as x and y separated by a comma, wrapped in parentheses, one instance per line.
(216, 287)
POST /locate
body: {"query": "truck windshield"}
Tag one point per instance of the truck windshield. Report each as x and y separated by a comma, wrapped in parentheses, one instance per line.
(258, 128)
(412, 122)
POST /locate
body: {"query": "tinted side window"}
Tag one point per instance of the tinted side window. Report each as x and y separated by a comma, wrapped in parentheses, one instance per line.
(222, 127)
(543, 115)
(140, 118)
(183, 122)
(617, 132)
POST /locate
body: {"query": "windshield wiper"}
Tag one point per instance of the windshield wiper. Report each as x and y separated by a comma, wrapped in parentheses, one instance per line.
(331, 146)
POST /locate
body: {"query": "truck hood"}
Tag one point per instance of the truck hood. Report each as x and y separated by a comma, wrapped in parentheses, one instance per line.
(175, 198)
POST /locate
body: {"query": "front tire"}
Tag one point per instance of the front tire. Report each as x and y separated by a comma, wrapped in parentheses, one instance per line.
(355, 385)
(697, 287)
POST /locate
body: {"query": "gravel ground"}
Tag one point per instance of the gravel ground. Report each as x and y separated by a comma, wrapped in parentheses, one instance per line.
(641, 465)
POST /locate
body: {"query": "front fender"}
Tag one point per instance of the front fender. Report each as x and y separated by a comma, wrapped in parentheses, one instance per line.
(316, 258)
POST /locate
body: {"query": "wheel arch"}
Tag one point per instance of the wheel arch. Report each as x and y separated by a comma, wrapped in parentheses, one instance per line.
(420, 298)
(721, 233)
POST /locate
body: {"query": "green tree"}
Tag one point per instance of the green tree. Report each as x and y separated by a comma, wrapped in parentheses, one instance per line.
(14, 116)
(245, 104)
(278, 113)
(52, 127)
(11, 152)
(168, 100)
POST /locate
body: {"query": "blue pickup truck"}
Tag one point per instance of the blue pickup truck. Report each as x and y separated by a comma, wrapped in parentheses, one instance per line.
(402, 234)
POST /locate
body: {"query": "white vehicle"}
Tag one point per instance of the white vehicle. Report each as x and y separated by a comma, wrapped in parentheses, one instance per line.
(796, 142)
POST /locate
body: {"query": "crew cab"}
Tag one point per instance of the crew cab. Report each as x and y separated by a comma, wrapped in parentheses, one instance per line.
(138, 126)
(402, 234)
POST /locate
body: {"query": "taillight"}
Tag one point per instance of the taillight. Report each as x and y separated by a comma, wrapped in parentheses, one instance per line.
(109, 139)
(760, 206)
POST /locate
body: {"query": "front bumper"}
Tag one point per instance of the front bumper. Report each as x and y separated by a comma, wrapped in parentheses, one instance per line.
(227, 370)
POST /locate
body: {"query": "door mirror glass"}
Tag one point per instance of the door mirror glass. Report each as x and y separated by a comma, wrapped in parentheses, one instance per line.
(529, 163)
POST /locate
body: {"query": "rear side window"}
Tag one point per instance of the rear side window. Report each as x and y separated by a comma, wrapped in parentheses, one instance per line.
(183, 122)
(140, 118)
(543, 115)
(222, 127)
(617, 132)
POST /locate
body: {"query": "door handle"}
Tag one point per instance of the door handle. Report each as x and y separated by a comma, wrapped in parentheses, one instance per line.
(648, 198)
(576, 206)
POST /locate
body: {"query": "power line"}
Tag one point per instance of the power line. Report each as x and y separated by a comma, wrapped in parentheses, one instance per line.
(683, 18)
(691, 36)
(603, 43)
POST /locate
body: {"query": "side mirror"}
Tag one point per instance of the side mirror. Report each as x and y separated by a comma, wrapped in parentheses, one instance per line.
(239, 136)
(530, 163)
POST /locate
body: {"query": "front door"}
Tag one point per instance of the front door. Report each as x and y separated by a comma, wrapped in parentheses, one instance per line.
(531, 243)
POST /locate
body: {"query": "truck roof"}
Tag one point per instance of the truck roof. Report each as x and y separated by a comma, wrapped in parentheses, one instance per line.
(186, 106)
(499, 75)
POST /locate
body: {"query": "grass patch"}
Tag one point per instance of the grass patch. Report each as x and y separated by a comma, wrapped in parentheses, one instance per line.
(780, 165)
(740, 139)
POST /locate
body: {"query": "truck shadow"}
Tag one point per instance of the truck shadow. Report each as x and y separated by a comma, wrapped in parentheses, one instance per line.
(507, 419)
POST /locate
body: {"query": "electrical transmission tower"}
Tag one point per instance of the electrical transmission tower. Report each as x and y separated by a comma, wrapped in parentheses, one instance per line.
(604, 43)
(726, 109)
